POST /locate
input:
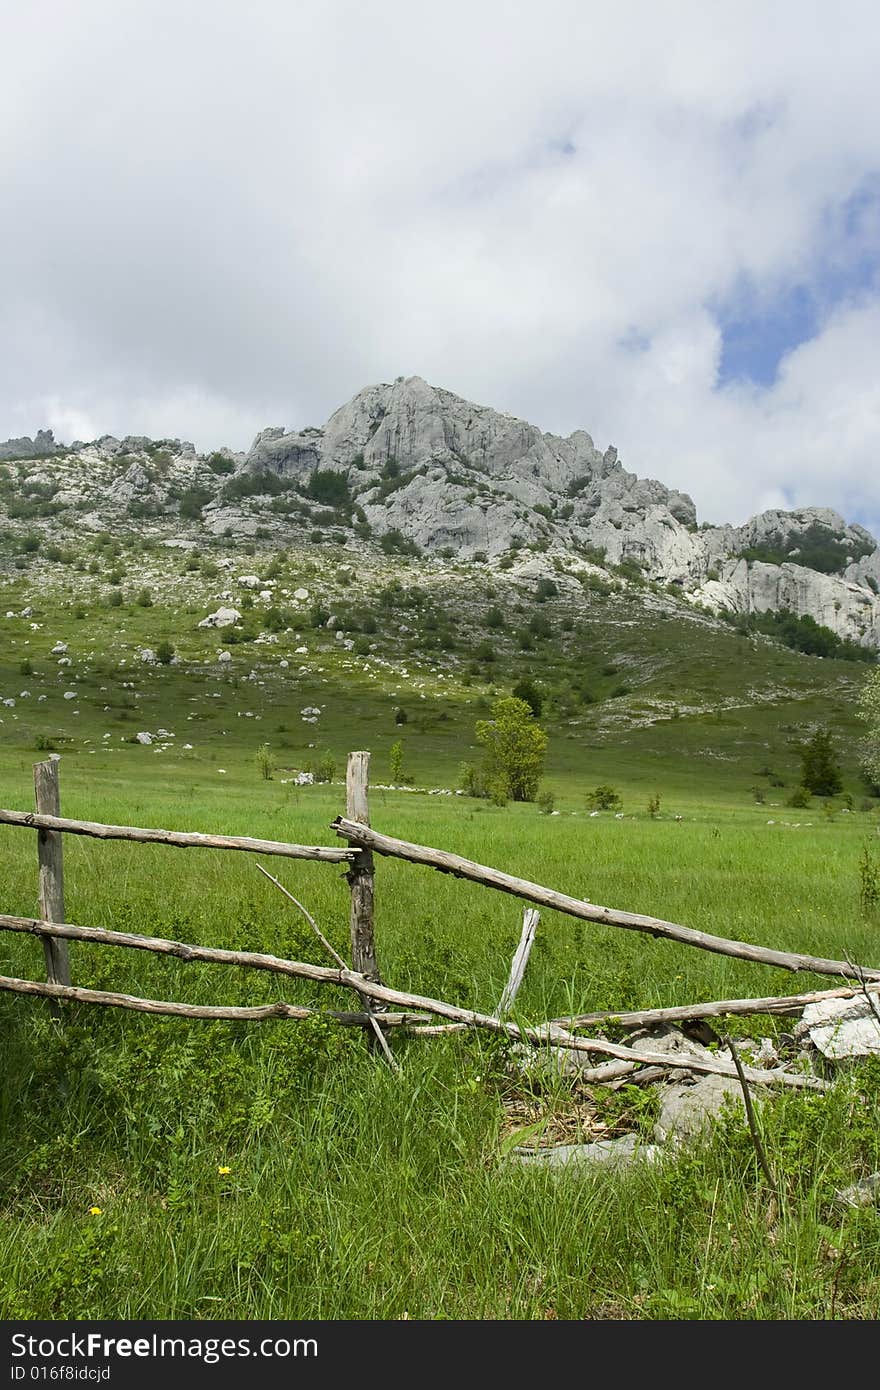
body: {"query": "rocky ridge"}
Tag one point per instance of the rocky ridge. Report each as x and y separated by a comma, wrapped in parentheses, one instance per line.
(409, 464)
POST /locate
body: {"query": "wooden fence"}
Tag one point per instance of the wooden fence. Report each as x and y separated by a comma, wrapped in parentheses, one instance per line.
(382, 1008)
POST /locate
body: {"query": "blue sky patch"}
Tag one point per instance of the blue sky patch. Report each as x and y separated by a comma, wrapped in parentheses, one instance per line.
(758, 332)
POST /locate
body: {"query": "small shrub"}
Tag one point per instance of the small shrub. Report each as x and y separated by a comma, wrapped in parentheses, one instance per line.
(869, 881)
(144, 599)
(799, 799)
(546, 588)
(654, 805)
(472, 781)
(395, 757)
(546, 803)
(525, 689)
(264, 761)
(165, 653)
(323, 767)
(604, 798)
(400, 715)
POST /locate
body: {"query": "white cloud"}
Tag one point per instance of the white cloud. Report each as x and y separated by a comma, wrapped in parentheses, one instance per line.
(222, 216)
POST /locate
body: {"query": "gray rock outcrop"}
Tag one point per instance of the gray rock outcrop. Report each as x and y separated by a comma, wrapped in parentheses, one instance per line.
(450, 475)
(42, 445)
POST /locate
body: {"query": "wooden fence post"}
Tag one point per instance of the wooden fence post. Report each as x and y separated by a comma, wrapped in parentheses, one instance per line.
(360, 876)
(47, 794)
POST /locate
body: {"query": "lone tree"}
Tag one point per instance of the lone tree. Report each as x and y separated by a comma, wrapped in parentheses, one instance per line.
(514, 746)
(525, 689)
(820, 771)
(869, 710)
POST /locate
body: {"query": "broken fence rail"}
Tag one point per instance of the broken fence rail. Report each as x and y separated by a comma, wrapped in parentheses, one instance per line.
(348, 979)
(590, 912)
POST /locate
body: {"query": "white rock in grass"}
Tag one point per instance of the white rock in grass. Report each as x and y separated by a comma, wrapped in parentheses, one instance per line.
(144, 737)
(301, 595)
(843, 1028)
(70, 694)
(224, 617)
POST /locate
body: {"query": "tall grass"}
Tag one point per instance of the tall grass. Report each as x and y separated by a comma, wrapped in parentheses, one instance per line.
(355, 1193)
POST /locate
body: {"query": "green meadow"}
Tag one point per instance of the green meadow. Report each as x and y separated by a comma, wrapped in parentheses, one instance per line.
(171, 1168)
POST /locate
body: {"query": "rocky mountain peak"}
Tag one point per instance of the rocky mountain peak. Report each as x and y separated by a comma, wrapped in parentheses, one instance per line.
(416, 465)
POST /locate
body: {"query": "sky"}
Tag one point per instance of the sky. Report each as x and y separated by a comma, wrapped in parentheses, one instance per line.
(658, 221)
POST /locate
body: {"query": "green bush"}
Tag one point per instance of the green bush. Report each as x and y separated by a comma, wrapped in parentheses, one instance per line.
(604, 798)
(799, 799)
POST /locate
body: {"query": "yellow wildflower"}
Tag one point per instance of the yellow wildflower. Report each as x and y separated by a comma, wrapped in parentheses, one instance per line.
(223, 1171)
(95, 1211)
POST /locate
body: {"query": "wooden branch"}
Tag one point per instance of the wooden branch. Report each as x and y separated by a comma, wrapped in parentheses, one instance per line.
(773, 1004)
(231, 1012)
(308, 916)
(348, 979)
(752, 1120)
(181, 950)
(531, 918)
(331, 951)
(586, 911)
(182, 839)
(47, 798)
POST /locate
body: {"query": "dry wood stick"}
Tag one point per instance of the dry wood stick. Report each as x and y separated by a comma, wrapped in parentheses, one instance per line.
(182, 839)
(872, 1003)
(772, 1004)
(589, 912)
(232, 1012)
(383, 1043)
(753, 1123)
(531, 918)
(47, 796)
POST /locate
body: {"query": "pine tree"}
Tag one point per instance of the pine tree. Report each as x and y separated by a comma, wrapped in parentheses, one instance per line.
(820, 770)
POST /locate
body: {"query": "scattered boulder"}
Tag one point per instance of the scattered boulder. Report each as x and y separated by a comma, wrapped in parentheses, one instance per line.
(224, 617)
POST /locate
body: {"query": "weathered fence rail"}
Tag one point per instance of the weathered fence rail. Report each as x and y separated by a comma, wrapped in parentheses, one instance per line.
(384, 1008)
(181, 839)
(591, 912)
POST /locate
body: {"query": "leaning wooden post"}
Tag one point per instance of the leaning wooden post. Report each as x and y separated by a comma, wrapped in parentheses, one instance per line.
(360, 876)
(47, 794)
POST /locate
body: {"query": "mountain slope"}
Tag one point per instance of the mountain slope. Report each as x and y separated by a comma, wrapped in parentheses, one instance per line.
(417, 467)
